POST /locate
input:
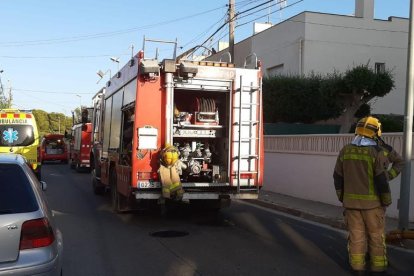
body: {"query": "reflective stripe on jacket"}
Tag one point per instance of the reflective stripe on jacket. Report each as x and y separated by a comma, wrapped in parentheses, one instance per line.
(360, 177)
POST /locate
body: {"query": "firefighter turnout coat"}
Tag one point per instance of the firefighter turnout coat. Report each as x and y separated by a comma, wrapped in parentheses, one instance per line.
(360, 177)
(393, 158)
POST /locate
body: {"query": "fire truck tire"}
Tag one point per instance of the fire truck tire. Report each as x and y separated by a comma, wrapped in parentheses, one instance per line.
(118, 201)
(97, 187)
(71, 164)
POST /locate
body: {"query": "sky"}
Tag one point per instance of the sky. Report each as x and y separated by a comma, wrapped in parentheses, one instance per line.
(50, 50)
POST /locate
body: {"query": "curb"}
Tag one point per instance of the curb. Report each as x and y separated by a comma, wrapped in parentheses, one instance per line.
(298, 213)
(403, 244)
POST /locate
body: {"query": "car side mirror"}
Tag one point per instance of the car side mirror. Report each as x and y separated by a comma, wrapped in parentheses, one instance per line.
(43, 185)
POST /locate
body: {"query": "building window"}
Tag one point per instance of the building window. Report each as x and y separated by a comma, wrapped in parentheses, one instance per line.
(379, 67)
(275, 70)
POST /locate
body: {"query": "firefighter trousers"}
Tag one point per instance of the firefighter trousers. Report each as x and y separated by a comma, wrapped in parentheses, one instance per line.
(171, 184)
(366, 229)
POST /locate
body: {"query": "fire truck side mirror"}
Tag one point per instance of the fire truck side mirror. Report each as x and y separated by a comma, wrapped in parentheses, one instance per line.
(84, 116)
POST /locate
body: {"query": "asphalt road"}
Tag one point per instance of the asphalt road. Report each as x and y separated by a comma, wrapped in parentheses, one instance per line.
(244, 239)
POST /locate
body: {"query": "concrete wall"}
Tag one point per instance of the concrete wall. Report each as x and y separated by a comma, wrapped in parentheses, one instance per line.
(339, 43)
(281, 45)
(302, 166)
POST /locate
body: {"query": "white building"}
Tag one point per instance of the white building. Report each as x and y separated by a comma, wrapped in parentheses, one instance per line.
(323, 43)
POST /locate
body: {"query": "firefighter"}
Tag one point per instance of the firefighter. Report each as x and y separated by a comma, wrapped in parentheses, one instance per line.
(361, 183)
(169, 174)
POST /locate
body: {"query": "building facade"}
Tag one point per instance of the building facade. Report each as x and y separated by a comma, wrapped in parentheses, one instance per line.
(312, 42)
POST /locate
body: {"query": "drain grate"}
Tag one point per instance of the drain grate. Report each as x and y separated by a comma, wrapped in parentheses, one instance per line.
(169, 234)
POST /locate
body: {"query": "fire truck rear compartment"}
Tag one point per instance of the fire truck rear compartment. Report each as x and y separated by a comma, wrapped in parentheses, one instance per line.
(201, 133)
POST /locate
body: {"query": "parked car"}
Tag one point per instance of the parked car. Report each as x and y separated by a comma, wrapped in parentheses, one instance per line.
(30, 242)
(53, 148)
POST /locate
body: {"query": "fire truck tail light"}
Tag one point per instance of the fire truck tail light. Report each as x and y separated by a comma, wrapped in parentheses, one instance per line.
(148, 175)
(144, 175)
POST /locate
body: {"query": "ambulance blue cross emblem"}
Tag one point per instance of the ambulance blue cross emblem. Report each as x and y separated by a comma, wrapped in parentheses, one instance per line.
(10, 135)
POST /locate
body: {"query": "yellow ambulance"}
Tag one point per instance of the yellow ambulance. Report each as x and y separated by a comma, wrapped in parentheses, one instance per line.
(19, 134)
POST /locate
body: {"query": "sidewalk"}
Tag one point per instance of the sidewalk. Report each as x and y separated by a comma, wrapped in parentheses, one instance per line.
(319, 212)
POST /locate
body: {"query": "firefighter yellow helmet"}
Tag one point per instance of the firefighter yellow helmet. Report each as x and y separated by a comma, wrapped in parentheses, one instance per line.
(169, 155)
(369, 127)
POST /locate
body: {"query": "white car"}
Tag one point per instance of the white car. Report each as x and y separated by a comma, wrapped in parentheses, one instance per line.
(30, 243)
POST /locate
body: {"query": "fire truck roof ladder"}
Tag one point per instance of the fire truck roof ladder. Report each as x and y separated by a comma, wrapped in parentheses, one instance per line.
(163, 42)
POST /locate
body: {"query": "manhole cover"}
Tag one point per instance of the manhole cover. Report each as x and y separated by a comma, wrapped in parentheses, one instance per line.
(169, 234)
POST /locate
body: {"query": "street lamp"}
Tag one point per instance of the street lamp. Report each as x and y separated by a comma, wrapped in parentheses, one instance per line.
(115, 59)
(102, 74)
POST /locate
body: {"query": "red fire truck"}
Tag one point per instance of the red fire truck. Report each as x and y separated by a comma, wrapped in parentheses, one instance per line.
(80, 146)
(209, 112)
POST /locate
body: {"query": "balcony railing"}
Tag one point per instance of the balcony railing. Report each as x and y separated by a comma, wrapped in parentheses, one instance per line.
(327, 144)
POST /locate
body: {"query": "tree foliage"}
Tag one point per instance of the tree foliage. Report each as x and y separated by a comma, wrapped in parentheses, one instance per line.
(300, 99)
(313, 98)
(52, 122)
(4, 103)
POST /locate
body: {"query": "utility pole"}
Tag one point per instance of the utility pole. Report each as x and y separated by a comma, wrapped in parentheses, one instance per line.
(404, 202)
(231, 28)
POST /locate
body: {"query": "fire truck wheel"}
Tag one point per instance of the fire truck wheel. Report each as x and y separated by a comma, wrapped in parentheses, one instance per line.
(119, 202)
(71, 164)
(98, 188)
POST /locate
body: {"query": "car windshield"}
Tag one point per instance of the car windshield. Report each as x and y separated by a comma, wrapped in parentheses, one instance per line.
(54, 144)
(16, 135)
(16, 194)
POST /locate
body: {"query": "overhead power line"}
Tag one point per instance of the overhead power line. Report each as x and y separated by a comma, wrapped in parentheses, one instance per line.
(230, 19)
(52, 92)
(99, 35)
(58, 57)
(290, 5)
